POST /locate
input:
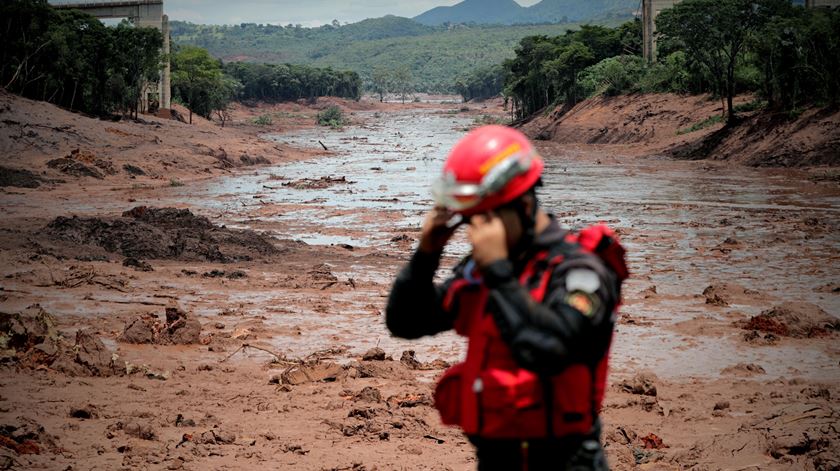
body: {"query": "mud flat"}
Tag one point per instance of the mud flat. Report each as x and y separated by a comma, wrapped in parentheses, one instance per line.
(236, 320)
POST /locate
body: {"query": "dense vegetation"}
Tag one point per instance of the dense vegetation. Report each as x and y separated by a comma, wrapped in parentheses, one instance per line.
(431, 59)
(509, 12)
(785, 53)
(282, 82)
(547, 69)
(73, 60)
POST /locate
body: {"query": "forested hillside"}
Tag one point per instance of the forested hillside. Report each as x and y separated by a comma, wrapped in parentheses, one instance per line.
(433, 58)
(547, 11)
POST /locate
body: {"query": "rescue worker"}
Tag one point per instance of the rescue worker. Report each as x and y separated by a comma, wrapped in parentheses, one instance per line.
(535, 302)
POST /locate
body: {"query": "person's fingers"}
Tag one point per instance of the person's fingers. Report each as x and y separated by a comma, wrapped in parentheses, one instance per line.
(478, 220)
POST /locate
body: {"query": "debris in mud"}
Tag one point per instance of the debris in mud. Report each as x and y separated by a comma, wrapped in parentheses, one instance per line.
(410, 400)
(250, 161)
(138, 265)
(74, 168)
(317, 183)
(743, 369)
(652, 442)
(179, 328)
(216, 436)
(793, 319)
(162, 233)
(724, 294)
(648, 292)
(643, 383)
(231, 275)
(320, 371)
(30, 334)
(26, 437)
(88, 276)
(134, 429)
(410, 361)
(380, 369)
(93, 355)
(31, 340)
(727, 246)
(133, 170)
(87, 412)
(19, 178)
(374, 354)
(322, 273)
(402, 239)
(368, 394)
(833, 288)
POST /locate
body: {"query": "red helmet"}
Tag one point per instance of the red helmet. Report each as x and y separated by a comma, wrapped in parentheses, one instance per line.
(489, 167)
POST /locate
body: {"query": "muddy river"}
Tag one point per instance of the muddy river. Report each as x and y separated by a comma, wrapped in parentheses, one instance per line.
(686, 225)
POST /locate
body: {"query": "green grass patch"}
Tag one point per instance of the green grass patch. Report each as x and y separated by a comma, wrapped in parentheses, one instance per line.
(264, 120)
(711, 121)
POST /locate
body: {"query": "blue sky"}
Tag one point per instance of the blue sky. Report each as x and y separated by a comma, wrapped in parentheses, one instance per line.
(306, 12)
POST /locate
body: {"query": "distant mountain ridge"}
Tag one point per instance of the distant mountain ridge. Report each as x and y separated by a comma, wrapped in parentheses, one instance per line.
(509, 12)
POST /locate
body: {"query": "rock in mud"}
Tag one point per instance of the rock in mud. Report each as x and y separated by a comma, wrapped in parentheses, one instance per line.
(162, 234)
(643, 383)
(794, 319)
(140, 330)
(19, 178)
(374, 354)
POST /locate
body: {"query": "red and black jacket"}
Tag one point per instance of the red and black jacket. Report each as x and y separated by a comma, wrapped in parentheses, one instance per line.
(536, 365)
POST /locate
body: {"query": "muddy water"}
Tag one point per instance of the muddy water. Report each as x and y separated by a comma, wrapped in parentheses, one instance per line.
(673, 216)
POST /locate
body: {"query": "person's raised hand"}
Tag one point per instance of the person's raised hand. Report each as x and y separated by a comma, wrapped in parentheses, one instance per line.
(488, 237)
(435, 233)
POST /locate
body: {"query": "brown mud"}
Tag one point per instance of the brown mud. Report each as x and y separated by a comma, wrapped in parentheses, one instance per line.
(236, 322)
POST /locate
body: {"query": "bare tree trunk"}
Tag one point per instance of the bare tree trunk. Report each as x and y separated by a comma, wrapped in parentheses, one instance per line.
(73, 98)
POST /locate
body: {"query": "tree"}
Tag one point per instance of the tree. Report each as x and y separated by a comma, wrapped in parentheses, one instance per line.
(381, 82)
(402, 82)
(194, 73)
(714, 33)
(221, 95)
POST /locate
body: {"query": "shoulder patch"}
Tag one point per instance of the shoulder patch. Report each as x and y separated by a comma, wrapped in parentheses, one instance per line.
(582, 279)
(585, 303)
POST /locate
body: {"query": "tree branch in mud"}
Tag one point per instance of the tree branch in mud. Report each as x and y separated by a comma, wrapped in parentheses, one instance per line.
(277, 358)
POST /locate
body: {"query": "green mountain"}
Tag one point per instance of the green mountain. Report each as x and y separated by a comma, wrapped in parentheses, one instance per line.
(509, 12)
(434, 56)
(473, 11)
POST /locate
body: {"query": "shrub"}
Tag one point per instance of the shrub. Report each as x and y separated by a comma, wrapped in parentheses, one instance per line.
(669, 75)
(332, 117)
(612, 76)
(264, 120)
(702, 124)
